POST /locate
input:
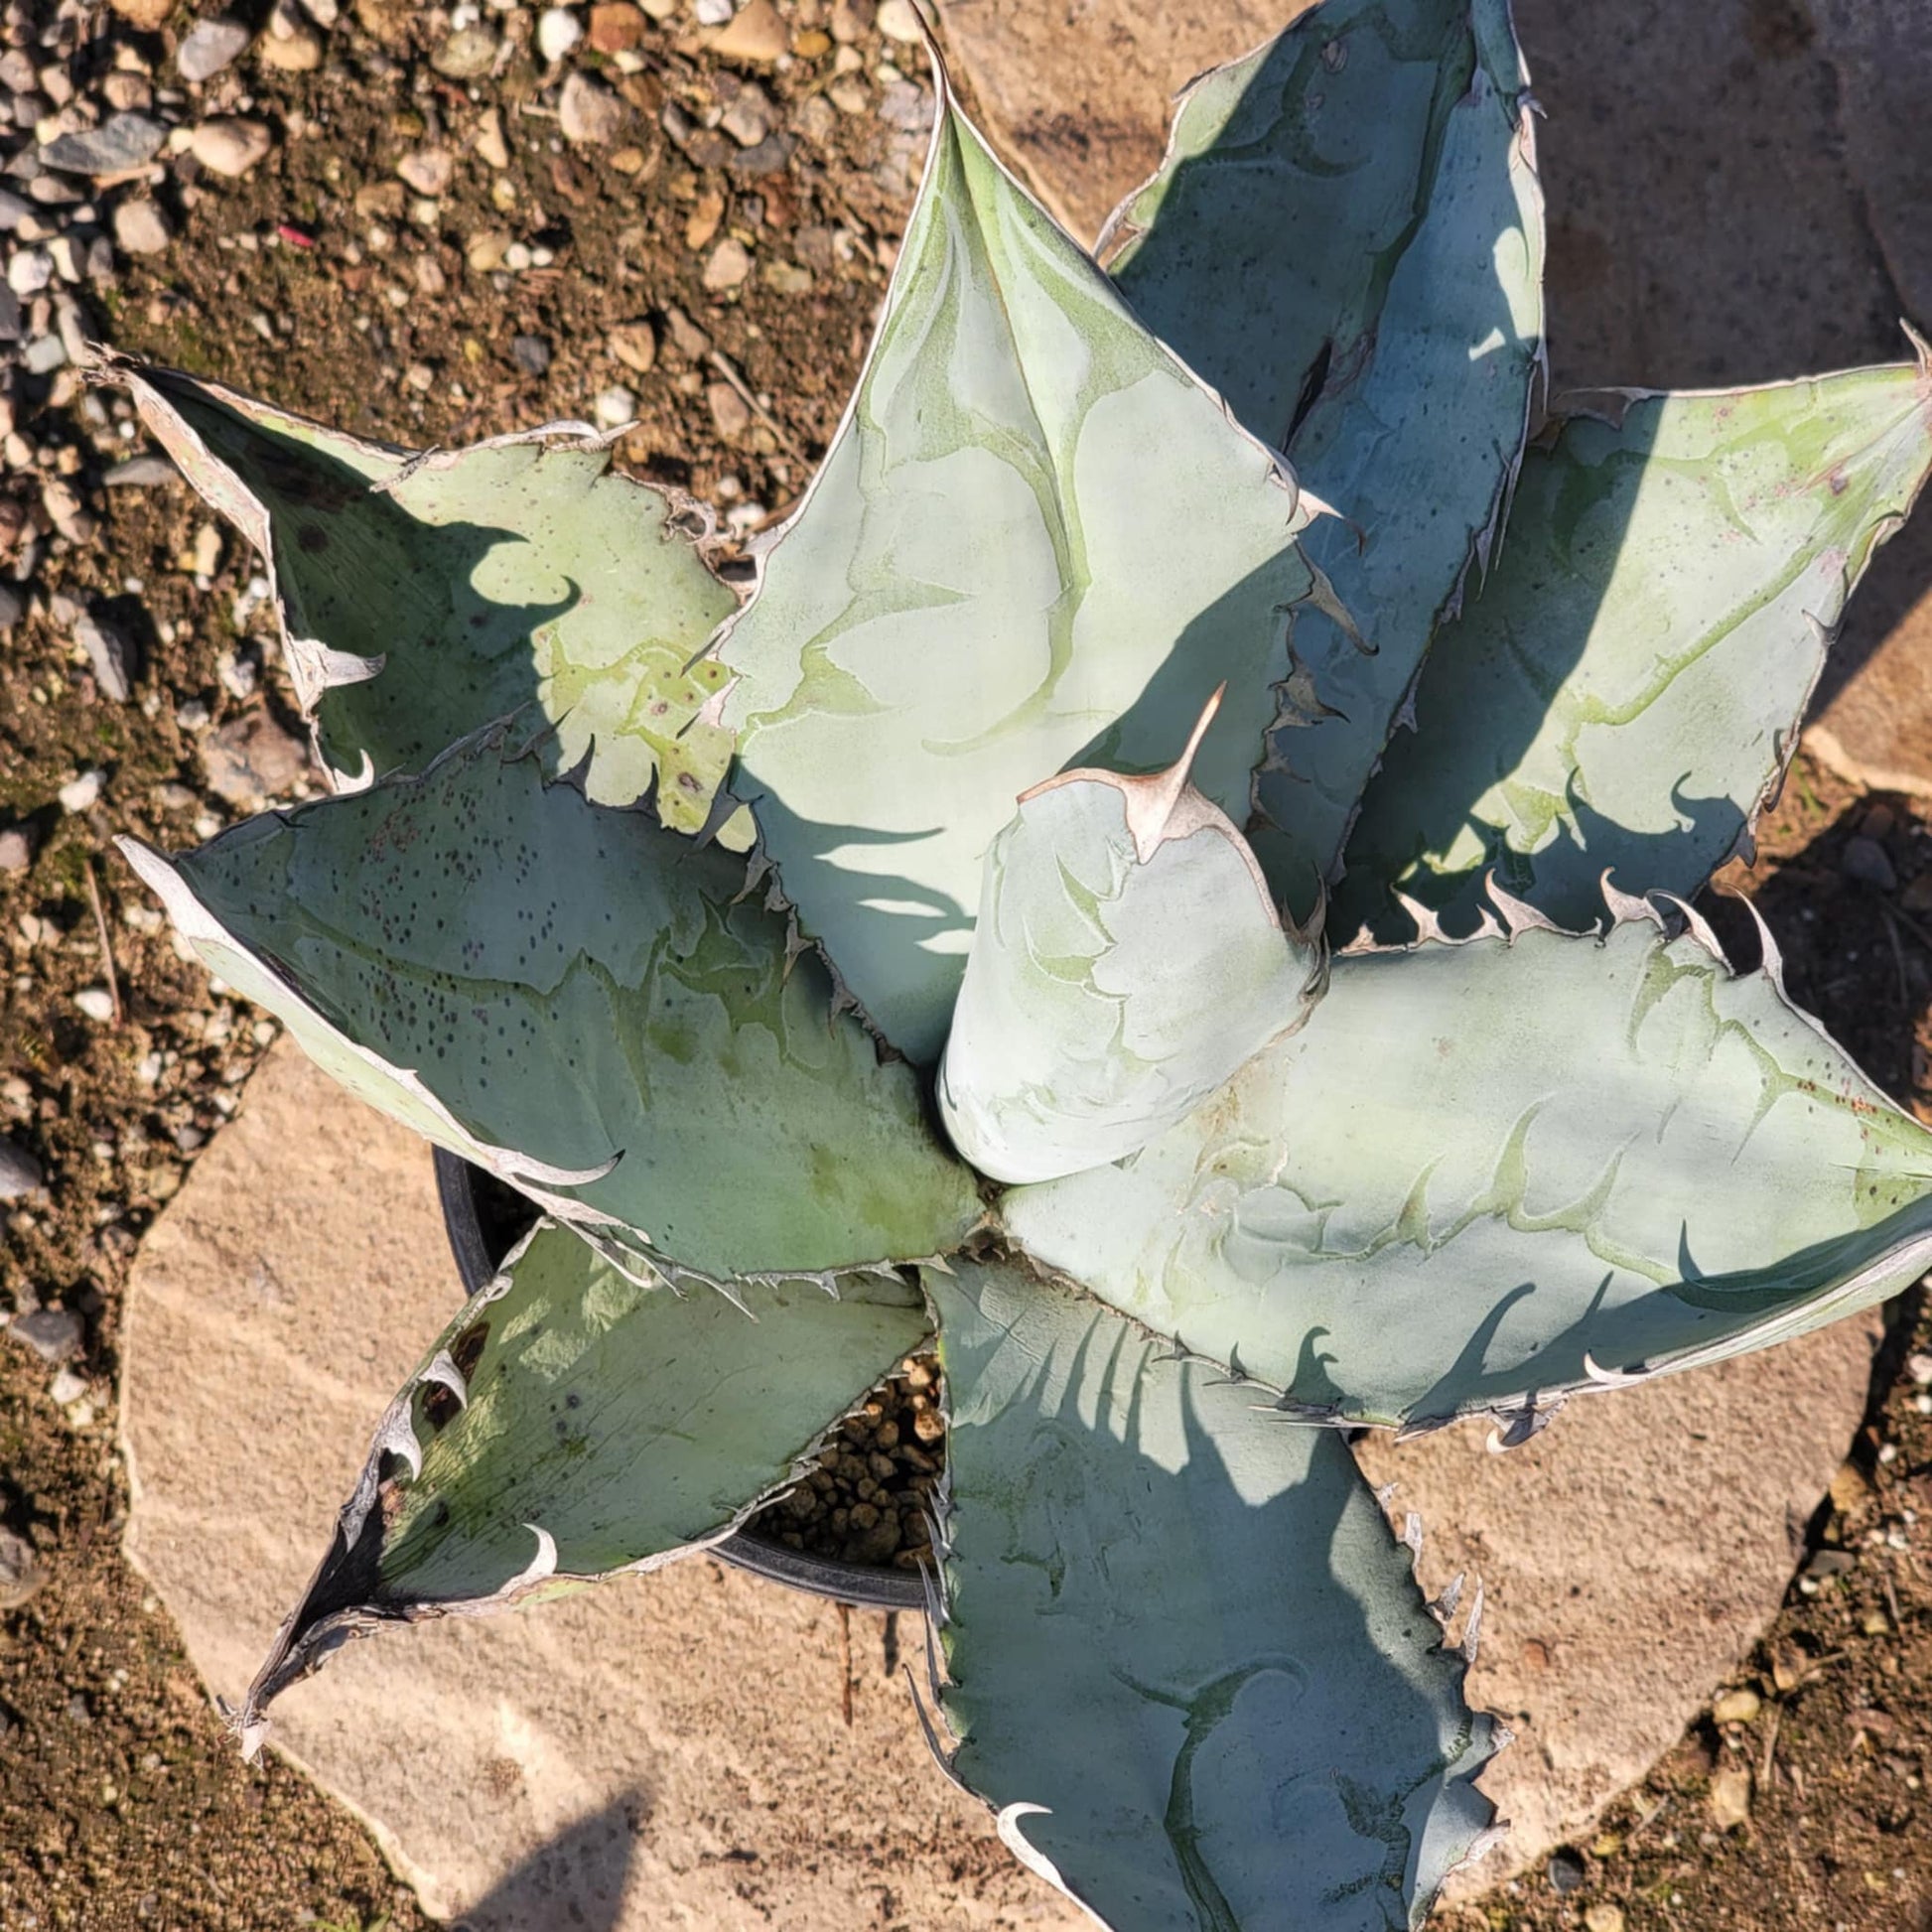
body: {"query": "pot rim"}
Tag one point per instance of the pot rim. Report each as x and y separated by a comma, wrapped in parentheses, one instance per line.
(866, 1586)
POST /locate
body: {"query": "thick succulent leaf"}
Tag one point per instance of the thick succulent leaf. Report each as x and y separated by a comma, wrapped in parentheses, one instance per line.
(423, 596)
(1127, 960)
(1036, 543)
(586, 1004)
(1346, 239)
(1191, 1667)
(1490, 1173)
(571, 1422)
(1627, 689)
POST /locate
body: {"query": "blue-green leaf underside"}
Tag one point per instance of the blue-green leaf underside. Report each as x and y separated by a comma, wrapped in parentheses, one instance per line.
(424, 596)
(584, 1002)
(1128, 958)
(1346, 239)
(1190, 1665)
(1490, 1173)
(570, 1423)
(1036, 543)
(1627, 687)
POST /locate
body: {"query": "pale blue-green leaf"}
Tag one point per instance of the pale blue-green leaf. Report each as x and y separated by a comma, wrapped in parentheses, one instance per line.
(570, 1423)
(1037, 542)
(1627, 689)
(583, 1002)
(1191, 1667)
(1490, 1173)
(1346, 239)
(424, 596)
(1127, 960)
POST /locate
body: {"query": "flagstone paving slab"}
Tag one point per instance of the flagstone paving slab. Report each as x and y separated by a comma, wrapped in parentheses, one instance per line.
(659, 1751)
(672, 1750)
(1629, 1556)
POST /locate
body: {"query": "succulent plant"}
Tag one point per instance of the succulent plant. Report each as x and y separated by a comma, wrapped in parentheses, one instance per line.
(1324, 1037)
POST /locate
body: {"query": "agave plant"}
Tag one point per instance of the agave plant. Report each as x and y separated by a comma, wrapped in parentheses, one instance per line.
(1149, 888)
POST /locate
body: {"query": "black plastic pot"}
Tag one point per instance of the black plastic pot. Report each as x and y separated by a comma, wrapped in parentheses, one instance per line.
(486, 1219)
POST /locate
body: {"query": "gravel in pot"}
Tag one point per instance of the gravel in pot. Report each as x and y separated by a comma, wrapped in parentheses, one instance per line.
(855, 1529)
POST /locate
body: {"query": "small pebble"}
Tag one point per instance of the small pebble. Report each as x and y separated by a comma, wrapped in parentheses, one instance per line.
(691, 340)
(730, 264)
(712, 13)
(488, 139)
(54, 1334)
(146, 472)
(81, 794)
(635, 345)
(210, 45)
(589, 113)
(19, 1173)
(68, 1387)
(898, 20)
(530, 354)
(30, 270)
(747, 120)
(429, 171)
(120, 142)
(728, 410)
(111, 654)
(1730, 1798)
(486, 250)
(128, 91)
(54, 191)
(906, 106)
(19, 1573)
(1868, 862)
(615, 405)
(1736, 1708)
(755, 33)
(558, 31)
(290, 44)
(140, 227)
(96, 1002)
(229, 147)
(16, 853)
(1603, 1917)
(1565, 1869)
(251, 759)
(616, 27)
(704, 219)
(468, 55)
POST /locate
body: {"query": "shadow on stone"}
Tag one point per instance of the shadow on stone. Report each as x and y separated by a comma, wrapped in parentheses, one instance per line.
(574, 1881)
(1708, 226)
